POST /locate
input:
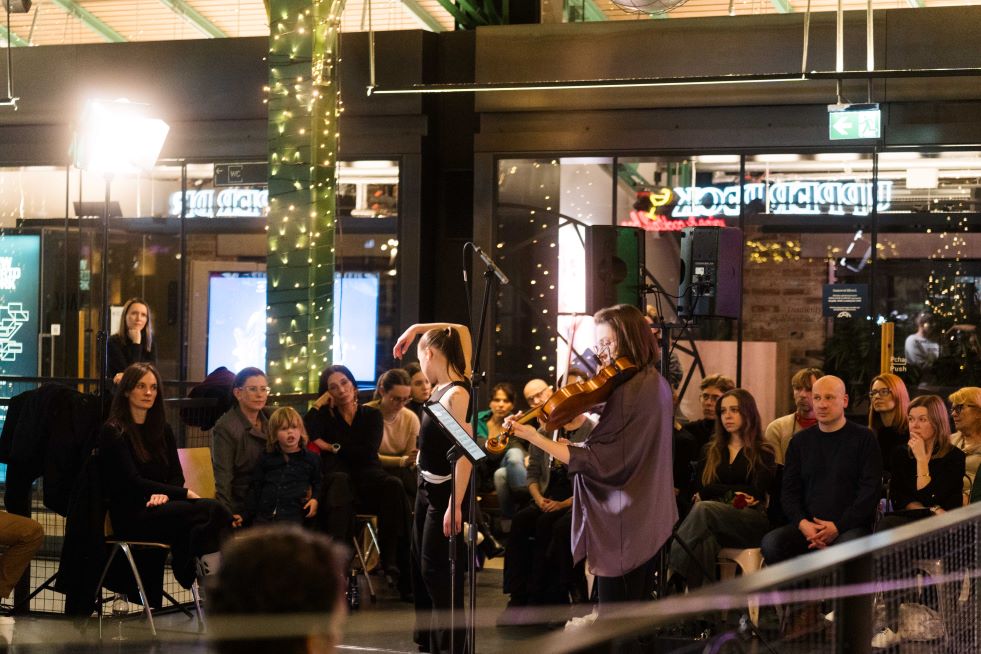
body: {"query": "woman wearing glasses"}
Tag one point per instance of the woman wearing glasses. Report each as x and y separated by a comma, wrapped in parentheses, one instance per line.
(966, 412)
(239, 441)
(398, 447)
(348, 436)
(623, 504)
(888, 406)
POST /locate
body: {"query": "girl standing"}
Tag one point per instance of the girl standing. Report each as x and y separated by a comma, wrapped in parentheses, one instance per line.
(444, 354)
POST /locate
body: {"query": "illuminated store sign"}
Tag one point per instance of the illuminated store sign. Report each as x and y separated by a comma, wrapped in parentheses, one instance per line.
(20, 265)
(235, 202)
(706, 205)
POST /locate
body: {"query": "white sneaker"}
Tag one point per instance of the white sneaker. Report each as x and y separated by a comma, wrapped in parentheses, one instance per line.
(886, 638)
(584, 621)
(830, 617)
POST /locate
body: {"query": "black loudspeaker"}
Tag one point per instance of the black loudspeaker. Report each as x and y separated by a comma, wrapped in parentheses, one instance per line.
(614, 266)
(711, 272)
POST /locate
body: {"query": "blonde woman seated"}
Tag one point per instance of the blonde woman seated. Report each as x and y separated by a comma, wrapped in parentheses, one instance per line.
(926, 472)
(732, 483)
(965, 409)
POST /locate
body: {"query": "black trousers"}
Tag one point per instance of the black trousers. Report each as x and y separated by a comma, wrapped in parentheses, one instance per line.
(432, 584)
(335, 515)
(381, 494)
(190, 527)
(635, 586)
(538, 553)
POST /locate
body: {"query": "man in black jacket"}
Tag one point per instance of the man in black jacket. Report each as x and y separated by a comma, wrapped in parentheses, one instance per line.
(831, 482)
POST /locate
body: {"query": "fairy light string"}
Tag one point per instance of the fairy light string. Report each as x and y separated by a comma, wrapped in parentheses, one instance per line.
(304, 104)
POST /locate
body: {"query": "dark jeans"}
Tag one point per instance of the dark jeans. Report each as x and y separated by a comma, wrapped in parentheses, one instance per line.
(538, 551)
(787, 542)
(335, 515)
(432, 584)
(382, 495)
(708, 528)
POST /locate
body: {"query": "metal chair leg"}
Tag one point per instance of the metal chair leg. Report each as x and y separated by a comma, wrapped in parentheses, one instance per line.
(197, 604)
(98, 589)
(139, 585)
(364, 567)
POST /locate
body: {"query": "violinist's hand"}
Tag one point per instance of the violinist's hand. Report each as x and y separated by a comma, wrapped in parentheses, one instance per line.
(524, 432)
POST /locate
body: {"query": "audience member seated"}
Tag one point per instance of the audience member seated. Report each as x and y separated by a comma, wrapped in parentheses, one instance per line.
(347, 435)
(144, 483)
(888, 407)
(238, 441)
(684, 454)
(490, 424)
(780, 431)
(927, 472)
(926, 480)
(286, 481)
(421, 389)
(965, 409)
(511, 474)
(23, 538)
(280, 589)
(133, 340)
(712, 388)
(732, 482)
(831, 481)
(401, 428)
(538, 559)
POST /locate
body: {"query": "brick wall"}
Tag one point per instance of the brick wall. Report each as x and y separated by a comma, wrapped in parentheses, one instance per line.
(782, 298)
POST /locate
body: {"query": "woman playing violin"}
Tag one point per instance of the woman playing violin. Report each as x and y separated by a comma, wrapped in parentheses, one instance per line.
(621, 473)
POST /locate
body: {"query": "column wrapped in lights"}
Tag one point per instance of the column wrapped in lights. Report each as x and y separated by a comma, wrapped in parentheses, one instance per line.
(304, 104)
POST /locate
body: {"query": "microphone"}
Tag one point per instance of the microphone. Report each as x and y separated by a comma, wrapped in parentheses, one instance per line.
(493, 266)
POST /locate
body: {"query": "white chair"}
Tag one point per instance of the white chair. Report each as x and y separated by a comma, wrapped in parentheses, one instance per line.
(748, 561)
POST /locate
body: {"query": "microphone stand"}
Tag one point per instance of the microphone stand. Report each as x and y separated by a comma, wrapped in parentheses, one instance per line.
(490, 278)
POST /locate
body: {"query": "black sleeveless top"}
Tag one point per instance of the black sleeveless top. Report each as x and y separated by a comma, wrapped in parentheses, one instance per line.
(433, 443)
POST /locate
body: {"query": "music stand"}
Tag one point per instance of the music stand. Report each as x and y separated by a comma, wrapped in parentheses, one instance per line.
(456, 432)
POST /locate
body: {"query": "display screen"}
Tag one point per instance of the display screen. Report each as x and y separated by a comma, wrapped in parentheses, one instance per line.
(20, 266)
(237, 321)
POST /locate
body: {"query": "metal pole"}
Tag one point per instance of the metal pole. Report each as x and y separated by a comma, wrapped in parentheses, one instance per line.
(102, 340)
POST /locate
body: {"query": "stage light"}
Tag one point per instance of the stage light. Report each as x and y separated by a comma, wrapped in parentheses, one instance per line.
(118, 137)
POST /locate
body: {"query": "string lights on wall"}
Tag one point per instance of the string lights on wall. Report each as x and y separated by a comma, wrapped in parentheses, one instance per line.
(304, 106)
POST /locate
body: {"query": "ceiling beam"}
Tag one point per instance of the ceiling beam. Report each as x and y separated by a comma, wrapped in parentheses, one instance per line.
(195, 18)
(427, 19)
(12, 38)
(783, 6)
(90, 20)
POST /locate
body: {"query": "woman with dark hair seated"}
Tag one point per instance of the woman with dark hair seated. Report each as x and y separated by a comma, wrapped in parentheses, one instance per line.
(732, 482)
(926, 480)
(145, 485)
(347, 436)
(133, 340)
(398, 447)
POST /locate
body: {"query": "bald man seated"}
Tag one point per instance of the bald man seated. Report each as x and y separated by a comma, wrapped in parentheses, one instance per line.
(831, 479)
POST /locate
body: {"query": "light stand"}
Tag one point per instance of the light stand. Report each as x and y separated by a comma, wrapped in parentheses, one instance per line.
(114, 138)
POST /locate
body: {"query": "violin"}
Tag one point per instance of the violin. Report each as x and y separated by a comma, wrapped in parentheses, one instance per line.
(572, 400)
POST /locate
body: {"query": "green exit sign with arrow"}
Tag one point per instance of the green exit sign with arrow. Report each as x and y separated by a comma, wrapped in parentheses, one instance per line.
(854, 121)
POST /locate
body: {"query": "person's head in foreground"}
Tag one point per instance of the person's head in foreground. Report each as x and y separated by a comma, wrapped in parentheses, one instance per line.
(279, 589)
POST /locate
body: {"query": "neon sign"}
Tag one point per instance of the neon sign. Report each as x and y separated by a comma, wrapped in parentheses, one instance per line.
(236, 202)
(698, 206)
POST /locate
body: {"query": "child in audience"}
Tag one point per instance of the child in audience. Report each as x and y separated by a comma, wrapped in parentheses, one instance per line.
(286, 481)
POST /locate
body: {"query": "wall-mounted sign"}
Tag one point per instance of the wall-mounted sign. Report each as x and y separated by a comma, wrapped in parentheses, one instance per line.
(854, 121)
(20, 265)
(231, 202)
(845, 300)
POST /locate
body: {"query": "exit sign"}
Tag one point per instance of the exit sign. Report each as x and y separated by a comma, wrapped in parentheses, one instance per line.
(854, 121)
